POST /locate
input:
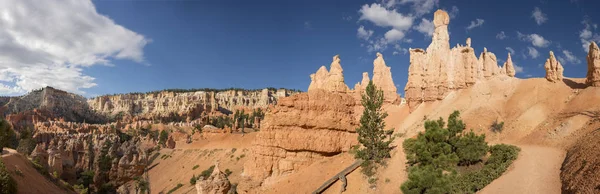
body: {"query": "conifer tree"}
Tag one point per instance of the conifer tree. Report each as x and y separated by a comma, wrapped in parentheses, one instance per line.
(373, 137)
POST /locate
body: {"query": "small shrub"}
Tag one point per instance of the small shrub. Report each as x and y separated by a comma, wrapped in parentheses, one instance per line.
(497, 127)
(195, 167)
(7, 183)
(233, 150)
(193, 180)
(179, 185)
(206, 173)
(19, 172)
(164, 135)
(227, 172)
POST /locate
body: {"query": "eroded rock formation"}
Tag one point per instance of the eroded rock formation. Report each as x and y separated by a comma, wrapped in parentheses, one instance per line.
(509, 68)
(216, 183)
(554, 70)
(301, 129)
(183, 106)
(593, 61)
(436, 71)
(332, 80)
(382, 78)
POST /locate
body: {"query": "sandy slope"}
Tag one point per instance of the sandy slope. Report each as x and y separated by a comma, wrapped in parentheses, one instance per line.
(536, 170)
(31, 181)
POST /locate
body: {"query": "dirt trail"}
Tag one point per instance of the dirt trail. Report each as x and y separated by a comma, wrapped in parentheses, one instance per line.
(537, 170)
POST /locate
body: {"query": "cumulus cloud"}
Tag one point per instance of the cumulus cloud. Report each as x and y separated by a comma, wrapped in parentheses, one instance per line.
(364, 34)
(535, 39)
(533, 53)
(570, 58)
(426, 27)
(512, 51)
(518, 69)
(586, 36)
(418, 7)
(393, 35)
(383, 17)
(501, 35)
(478, 22)
(538, 16)
(50, 42)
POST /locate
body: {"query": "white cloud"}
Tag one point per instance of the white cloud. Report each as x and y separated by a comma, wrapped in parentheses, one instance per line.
(533, 53)
(383, 17)
(535, 39)
(364, 34)
(454, 12)
(50, 42)
(347, 18)
(426, 27)
(538, 16)
(518, 69)
(586, 36)
(377, 45)
(512, 51)
(570, 57)
(478, 22)
(501, 35)
(393, 35)
(421, 7)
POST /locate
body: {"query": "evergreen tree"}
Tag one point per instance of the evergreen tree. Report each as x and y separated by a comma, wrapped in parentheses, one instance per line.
(373, 137)
(7, 135)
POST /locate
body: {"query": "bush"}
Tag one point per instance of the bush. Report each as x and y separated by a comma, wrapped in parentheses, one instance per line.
(164, 135)
(435, 154)
(179, 185)
(206, 173)
(373, 137)
(27, 143)
(497, 127)
(141, 185)
(193, 180)
(7, 183)
(195, 167)
(8, 138)
(227, 172)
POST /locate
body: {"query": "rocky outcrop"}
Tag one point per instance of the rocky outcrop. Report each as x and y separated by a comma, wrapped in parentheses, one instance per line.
(436, 71)
(301, 129)
(593, 61)
(216, 183)
(70, 154)
(554, 70)
(184, 105)
(382, 78)
(332, 80)
(49, 104)
(509, 68)
(360, 86)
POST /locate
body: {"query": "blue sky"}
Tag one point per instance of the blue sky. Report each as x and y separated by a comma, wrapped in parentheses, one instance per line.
(108, 46)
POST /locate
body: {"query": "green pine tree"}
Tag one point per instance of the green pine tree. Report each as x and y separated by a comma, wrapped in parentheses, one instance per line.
(373, 137)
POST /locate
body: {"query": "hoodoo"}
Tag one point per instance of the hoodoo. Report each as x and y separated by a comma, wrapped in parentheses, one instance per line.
(554, 70)
(436, 71)
(593, 61)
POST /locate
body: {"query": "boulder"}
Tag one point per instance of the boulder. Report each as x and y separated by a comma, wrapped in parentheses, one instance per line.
(593, 61)
(554, 70)
(216, 183)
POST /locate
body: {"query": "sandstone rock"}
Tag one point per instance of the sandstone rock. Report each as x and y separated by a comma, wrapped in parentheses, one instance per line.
(436, 71)
(382, 78)
(216, 183)
(332, 80)
(554, 70)
(360, 86)
(593, 61)
(509, 68)
(301, 129)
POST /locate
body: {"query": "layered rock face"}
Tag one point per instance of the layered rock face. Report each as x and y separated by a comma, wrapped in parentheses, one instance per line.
(332, 80)
(436, 71)
(53, 103)
(593, 61)
(554, 70)
(183, 105)
(301, 129)
(69, 154)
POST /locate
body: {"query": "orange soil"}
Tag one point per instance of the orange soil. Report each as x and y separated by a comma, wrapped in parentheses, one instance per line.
(31, 181)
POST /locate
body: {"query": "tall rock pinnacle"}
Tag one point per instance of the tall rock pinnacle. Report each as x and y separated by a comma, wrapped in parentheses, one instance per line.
(593, 61)
(554, 70)
(382, 78)
(332, 80)
(508, 67)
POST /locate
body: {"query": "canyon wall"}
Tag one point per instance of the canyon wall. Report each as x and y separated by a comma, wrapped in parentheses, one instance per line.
(189, 105)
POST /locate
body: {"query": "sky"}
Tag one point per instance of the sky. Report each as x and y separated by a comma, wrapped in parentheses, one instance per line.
(96, 47)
